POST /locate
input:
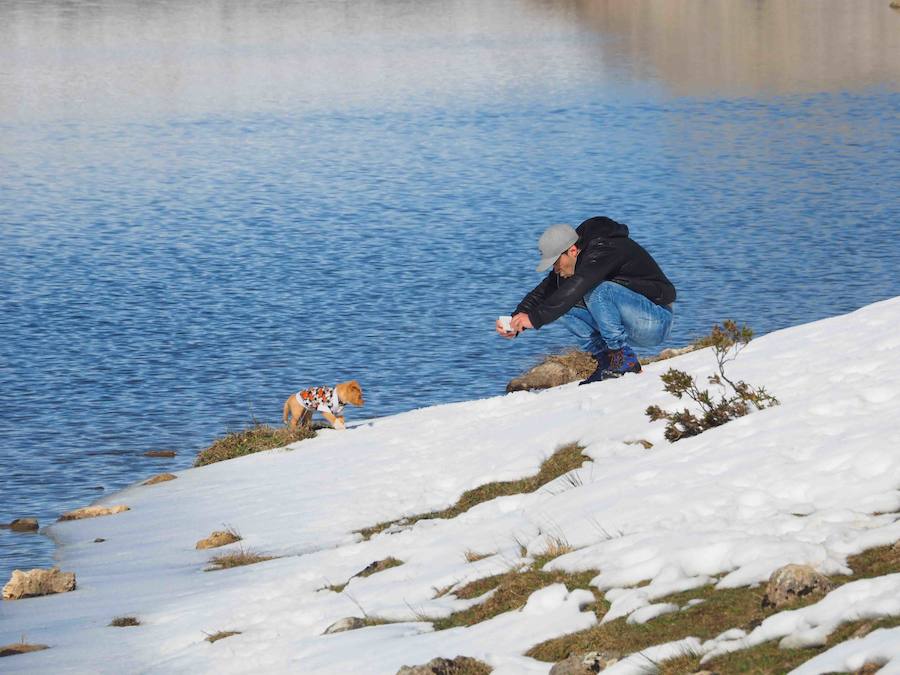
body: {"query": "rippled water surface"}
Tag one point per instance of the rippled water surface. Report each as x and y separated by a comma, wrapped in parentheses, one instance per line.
(207, 206)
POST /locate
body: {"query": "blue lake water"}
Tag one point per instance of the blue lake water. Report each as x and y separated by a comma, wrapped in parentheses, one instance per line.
(207, 206)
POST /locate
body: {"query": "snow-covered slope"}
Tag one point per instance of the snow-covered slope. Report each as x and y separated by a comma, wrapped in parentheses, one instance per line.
(798, 483)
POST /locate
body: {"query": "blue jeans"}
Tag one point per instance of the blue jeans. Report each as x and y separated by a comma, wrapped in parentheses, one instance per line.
(615, 317)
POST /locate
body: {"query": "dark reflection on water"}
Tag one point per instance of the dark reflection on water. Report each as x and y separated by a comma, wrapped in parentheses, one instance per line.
(205, 206)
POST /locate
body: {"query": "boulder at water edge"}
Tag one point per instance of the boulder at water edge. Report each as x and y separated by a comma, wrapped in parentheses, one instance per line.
(38, 582)
(93, 512)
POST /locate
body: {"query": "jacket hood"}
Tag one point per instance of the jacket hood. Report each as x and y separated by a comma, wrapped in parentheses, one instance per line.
(600, 227)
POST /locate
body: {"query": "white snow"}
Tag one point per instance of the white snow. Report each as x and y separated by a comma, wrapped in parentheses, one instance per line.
(798, 483)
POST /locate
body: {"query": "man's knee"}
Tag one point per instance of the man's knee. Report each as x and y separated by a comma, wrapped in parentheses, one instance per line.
(605, 290)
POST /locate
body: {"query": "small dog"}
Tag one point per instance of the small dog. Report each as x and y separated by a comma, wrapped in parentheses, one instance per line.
(327, 400)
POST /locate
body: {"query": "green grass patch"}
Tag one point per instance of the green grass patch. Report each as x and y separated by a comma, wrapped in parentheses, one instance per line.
(511, 591)
(720, 610)
(565, 459)
(768, 658)
(257, 438)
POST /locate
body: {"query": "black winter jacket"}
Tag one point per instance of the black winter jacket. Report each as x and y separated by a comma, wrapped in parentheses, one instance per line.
(606, 254)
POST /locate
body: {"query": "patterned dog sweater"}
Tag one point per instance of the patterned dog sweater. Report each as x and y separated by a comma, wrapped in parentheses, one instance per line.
(323, 399)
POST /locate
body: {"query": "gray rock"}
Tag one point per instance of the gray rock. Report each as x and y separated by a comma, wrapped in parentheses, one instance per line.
(38, 582)
(791, 582)
(585, 664)
(348, 623)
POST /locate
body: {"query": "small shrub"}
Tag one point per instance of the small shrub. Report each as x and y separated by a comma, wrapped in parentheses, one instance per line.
(124, 621)
(257, 438)
(727, 342)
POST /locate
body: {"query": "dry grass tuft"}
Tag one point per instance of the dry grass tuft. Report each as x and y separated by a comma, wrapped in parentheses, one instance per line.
(562, 461)
(221, 635)
(367, 571)
(557, 547)
(442, 591)
(236, 559)
(257, 438)
(20, 648)
(471, 556)
(125, 621)
(378, 566)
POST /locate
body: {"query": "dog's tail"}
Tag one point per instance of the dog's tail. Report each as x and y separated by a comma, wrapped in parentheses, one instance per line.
(287, 410)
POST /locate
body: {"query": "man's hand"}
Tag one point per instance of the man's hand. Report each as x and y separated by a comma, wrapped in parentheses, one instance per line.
(520, 322)
(502, 331)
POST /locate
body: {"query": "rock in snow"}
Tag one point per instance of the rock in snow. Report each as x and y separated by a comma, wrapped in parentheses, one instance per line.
(791, 582)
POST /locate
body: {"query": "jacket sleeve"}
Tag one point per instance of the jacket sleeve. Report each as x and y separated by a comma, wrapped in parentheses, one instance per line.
(537, 295)
(599, 264)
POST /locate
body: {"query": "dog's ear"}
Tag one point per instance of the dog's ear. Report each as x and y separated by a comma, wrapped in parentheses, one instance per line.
(357, 391)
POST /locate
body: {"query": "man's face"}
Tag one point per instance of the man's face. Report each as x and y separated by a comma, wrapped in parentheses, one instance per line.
(565, 264)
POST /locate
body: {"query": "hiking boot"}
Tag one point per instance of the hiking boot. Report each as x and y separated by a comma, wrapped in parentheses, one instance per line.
(615, 363)
(602, 365)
